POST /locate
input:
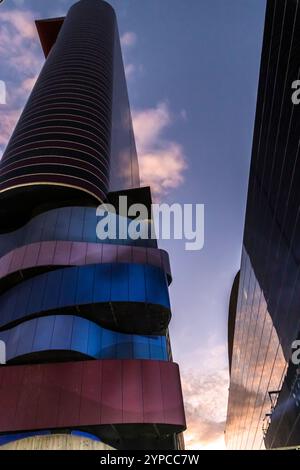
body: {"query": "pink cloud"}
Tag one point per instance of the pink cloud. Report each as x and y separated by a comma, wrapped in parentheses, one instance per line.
(149, 125)
(163, 169)
(205, 391)
(162, 162)
(128, 39)
(8, 121)
(205, 407)
(21, 59)
(130, 69)
(28, 84)
(22, 22)
(19, 45)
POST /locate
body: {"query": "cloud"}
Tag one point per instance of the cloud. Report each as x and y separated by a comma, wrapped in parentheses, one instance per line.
(163, 168)
(128, 39)
(19, 44)
(21, 59)
(8, 121)
(28, 84)
(162, 161)
(205, 392)
(133, 71)
(21, 21)
(130, 69)
(205, 407)
(149, 125)
(183, 115)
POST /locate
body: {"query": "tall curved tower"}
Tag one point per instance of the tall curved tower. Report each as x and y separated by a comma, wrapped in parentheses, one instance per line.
(85, 322)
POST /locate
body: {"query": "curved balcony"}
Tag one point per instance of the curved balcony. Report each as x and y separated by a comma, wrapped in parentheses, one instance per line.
(66, 337)
(76, 224)
(131, 298)
(37, 258)
(110, 398)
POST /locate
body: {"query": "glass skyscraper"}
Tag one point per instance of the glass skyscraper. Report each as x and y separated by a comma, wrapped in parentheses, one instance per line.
(264, 317)
(85, 321)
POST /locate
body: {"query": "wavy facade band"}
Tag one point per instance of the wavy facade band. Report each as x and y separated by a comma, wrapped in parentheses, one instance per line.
(85, 321)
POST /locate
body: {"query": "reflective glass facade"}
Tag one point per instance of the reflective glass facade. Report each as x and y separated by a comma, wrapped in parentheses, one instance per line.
(267, 314)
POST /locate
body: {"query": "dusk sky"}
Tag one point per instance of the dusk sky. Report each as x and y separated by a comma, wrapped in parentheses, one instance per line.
(192, 70)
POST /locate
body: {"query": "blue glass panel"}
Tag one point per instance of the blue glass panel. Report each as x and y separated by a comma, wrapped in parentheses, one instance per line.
(43, 333)
(62, 332)
(52, 290)
(109, 345)
(85, 284)
(155, 279)
(63, 224)
(49, 226)
(67, 332)
(119, 284)
(141, 350)
(68, 287)
(22, 297)
(125, 350)
(80, 335)
(8, 302)
(94, 344)
(21, 340)
(32, 232)
(76, 223)
(136, 274)
(156, 349)
(102, 289)
(36, 293)
(89, 227)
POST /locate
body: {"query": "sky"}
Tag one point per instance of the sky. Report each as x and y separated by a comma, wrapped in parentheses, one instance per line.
(192, 72)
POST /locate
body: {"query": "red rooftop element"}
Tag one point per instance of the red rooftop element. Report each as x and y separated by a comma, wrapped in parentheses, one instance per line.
(48, 31)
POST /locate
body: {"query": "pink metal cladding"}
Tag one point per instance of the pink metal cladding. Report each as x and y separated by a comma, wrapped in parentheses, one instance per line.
(66, 253)
(91, 393)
